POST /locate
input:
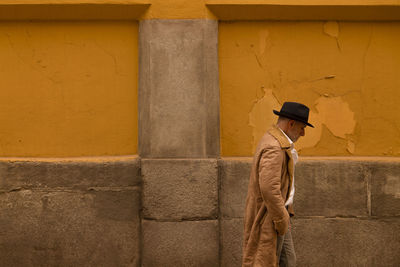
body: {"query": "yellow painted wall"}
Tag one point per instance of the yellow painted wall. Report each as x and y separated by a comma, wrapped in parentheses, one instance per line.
(68, 88)
(348, 73)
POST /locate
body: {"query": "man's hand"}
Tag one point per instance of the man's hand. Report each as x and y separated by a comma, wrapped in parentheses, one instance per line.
(281, 226)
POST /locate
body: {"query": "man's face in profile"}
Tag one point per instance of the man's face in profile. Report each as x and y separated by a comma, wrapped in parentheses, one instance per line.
(295, 130)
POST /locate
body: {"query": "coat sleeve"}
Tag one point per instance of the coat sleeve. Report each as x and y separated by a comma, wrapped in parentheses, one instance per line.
(270, 168)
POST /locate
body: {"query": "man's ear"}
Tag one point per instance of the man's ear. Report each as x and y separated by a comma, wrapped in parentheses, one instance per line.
(291, 123)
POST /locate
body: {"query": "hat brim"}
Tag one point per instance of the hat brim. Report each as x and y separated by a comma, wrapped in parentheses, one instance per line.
(293, 117)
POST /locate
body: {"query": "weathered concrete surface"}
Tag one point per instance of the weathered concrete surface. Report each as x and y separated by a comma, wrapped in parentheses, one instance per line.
(69, 228)
(114, 172)
(385, 188)
(231, 235)
(327, 242)
(180, 189)
(70, 212)
(323, 187)
(330, 188)
(188, 243)
(234, 175)
(347, 242)
(327, 191)
(178, 89)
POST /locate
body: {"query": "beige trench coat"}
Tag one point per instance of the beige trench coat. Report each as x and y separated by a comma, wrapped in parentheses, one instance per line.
(266, 215)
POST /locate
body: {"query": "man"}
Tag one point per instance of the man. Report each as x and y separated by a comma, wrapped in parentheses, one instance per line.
(267, 235)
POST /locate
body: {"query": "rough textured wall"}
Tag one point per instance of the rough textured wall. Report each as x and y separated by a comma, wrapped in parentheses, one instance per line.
(126, 211)
(347, 73)
(70, 212)
(68, 88)
(346, 211)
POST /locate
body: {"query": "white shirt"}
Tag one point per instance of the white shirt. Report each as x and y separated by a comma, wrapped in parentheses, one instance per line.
(295, 158)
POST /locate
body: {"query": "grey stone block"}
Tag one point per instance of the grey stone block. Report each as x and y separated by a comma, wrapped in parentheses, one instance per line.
(330, 188)
(231, 233)
(69, 174)
(347, 242)
(385, 188)
(180, 189)
(178, 88)
(188, 243)
(234, 175)
(70, 228)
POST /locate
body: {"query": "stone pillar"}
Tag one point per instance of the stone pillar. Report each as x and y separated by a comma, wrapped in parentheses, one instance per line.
(179, 141)
(178, 89)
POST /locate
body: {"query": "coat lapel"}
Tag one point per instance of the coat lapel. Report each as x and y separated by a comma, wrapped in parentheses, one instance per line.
(285, 145)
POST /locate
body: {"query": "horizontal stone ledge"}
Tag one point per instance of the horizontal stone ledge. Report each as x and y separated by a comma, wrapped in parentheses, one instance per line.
(327, 158)
(72, 190)
(194, 219)
(72, 10)
(353, 10)
(327, 187)
(74, 173)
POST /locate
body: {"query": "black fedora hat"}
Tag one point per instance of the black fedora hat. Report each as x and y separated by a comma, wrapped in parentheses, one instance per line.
(294, 111)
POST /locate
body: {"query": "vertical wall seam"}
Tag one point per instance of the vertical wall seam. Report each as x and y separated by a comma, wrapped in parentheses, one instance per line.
(367, 178)
(140, 213)
(219, 165)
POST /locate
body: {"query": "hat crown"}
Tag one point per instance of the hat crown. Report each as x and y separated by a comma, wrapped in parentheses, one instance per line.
(295, 111)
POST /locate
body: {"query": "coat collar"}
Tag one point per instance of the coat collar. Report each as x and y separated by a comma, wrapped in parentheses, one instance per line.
(282, 139)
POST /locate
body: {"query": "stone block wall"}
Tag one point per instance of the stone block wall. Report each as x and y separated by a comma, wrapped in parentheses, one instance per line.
(346, 212)
(128, 211)
(70, 213)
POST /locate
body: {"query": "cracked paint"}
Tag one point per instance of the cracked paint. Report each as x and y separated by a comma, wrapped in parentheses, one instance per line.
(261, 116)
(336, 115)
(347, 73)
(332, 112)
(331, 28)
(64, 85)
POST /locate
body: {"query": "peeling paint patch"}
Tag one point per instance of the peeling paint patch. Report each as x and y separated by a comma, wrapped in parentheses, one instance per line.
(351, 146)
(333, 112)
(331, 28)
(261, 116)
(313, 136)
(264, 41)
(336, 115)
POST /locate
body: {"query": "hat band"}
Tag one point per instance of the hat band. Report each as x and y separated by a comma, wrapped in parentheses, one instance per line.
(293, 116)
